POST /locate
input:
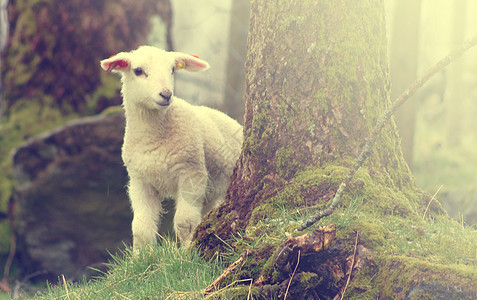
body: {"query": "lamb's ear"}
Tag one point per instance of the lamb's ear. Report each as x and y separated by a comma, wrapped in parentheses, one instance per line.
(189, 62)
(116, 63)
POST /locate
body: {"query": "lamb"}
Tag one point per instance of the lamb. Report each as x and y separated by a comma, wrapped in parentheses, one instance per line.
(171, 148)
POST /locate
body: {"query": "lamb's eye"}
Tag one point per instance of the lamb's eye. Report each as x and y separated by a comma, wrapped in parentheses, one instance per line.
(173, 70)
(138, 71)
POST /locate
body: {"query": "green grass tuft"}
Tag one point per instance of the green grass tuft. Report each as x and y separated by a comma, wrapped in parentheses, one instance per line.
(161, 272)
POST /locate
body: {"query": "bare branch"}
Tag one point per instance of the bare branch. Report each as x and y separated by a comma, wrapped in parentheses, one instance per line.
(383, 119)
(225, 272)
(293, 275)
(351, 268)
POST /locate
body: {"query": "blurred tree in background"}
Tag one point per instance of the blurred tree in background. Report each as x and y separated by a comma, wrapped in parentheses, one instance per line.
(445, 135)
(54, 47)
(456, 92)
(403, 68)
(235, 78)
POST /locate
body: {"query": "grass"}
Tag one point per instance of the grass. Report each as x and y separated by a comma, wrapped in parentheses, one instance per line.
(160, 272)
(170, 272)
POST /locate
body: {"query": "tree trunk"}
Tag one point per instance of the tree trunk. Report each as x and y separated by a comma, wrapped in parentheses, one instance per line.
(317, 80)
(455, 97)
(403, 62)
(235, 82)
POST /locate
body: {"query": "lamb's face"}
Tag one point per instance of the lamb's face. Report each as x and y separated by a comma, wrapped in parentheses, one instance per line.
(148, 74)
(150, 79)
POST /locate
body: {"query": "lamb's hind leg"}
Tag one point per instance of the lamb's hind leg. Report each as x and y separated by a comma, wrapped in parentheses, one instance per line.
(147, 208)
(189, 202)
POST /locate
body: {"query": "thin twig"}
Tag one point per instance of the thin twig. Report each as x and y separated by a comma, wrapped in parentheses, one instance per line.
(293, 274)
(430, 201)
(224, 274)
(383, 119)
(352, 266)
(209, 296)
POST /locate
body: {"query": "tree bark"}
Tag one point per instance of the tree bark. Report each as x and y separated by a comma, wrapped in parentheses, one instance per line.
(317, 80)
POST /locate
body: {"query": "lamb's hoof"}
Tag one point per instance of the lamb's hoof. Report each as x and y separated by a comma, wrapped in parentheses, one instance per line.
(184, 233)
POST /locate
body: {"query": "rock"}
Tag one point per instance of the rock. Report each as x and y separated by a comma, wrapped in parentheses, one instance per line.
(71, 201)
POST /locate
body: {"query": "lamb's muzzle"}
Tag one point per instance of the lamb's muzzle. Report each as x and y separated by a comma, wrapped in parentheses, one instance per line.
(166, 96)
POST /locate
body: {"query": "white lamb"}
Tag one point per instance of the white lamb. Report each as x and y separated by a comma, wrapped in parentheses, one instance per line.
(171, 148)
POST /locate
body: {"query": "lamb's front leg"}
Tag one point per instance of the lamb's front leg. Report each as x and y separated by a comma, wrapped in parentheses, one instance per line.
(189, 203)
(147, 208)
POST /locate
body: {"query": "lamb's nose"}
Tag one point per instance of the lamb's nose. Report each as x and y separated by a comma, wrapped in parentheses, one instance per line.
(166, 94)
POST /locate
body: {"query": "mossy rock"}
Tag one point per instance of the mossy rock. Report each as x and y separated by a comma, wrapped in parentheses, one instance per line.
(72, 206)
